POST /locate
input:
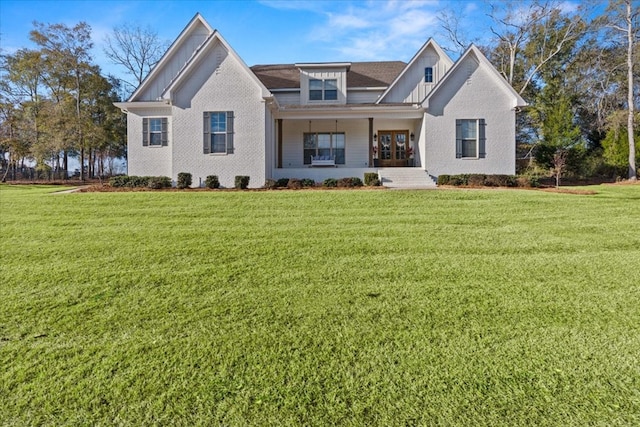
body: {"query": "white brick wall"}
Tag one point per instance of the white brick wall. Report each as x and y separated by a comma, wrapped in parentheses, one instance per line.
(472, 93)
(147, 161)
(220, 83)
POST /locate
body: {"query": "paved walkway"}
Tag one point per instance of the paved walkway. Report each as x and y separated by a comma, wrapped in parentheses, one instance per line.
(70, 190)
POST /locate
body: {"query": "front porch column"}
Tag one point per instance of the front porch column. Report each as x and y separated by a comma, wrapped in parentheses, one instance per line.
(370, 141)
(279, 143)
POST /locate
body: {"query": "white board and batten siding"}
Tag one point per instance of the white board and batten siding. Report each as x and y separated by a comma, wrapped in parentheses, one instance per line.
(174, 64)
(411, 88)
(338, 74)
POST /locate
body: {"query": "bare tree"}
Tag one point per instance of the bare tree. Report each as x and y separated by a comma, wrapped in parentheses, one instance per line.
(138, 50)
(450, 22)
(559, 164)
(621, 11)
(535, 32)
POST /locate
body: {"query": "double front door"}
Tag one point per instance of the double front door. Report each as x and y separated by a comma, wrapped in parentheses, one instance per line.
(392, 148)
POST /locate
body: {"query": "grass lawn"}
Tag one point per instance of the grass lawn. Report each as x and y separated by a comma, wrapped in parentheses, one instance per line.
(446, 307)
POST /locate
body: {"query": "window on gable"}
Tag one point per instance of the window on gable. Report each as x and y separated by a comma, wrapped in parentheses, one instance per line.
(428, 75)
(325, 146)
(323, 90)
(470, 138)
(218, 132)
(154, 132)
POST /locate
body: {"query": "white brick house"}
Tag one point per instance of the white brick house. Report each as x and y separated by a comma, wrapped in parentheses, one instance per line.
(202, 110)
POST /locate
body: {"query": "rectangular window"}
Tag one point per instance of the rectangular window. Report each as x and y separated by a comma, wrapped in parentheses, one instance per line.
(218, 132)
(323, 90)
(330, 90)
(428, 75)
(154, 132)
(315, 90)
(327, 146)
(470, 138)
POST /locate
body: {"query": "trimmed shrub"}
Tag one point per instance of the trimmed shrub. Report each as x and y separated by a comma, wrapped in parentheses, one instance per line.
(350, 182)
(294, 184)
(371, 179)
(158, 182)
(212, 181)
(119, 181)
(138, 181)
(330, 182)
(308, 182)
(457, 180)
(444, 179)
(282, 182)
(500, 181)
(184, 180)
(477, 179)
(241, 182)
(270, 184)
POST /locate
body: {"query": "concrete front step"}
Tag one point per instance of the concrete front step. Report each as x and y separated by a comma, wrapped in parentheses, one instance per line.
(405, 178)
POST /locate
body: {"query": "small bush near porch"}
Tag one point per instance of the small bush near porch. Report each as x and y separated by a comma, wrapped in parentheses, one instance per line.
(448, 307)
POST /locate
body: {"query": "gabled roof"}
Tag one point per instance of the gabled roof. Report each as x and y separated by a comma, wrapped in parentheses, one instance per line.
(477, 54)
(213, 36)
(429, 43)
(360, 74)
(199, 54)
(195, 21)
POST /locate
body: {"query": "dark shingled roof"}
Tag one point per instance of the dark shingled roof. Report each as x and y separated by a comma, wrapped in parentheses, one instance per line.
(361, 74)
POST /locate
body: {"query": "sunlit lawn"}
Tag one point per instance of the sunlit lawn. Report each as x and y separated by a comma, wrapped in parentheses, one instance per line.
(446, 307)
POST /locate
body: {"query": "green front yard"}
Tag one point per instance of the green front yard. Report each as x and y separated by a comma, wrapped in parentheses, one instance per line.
(366, 307)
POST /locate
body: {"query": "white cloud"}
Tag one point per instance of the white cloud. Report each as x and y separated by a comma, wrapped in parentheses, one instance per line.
(376, 30)
(470, 7)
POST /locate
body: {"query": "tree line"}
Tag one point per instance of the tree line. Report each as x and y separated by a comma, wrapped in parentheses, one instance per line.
(576, 67)
(56, 104)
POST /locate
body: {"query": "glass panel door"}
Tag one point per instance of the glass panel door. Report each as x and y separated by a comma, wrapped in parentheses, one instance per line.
(392, 146)
(384, 146)
(401, 145)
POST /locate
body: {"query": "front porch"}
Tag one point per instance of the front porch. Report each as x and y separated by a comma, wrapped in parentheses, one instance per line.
(352, 145)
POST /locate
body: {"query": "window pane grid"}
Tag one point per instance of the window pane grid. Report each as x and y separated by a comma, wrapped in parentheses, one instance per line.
(218, 122)
(155, 131)
(323, 90)
(469, 138)
(428, 75)
(330, 145)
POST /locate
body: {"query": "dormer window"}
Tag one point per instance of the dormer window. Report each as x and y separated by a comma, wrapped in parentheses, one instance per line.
(323, 90)
(428, 75)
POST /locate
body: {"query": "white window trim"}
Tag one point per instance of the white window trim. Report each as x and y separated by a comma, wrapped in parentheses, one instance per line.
(332, 147)
(433, 76)
(229, 133)
(146, 134)
(480, 140)
(323, 90)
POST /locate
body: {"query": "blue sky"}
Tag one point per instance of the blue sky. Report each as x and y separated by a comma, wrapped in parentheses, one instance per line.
(262, 32)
